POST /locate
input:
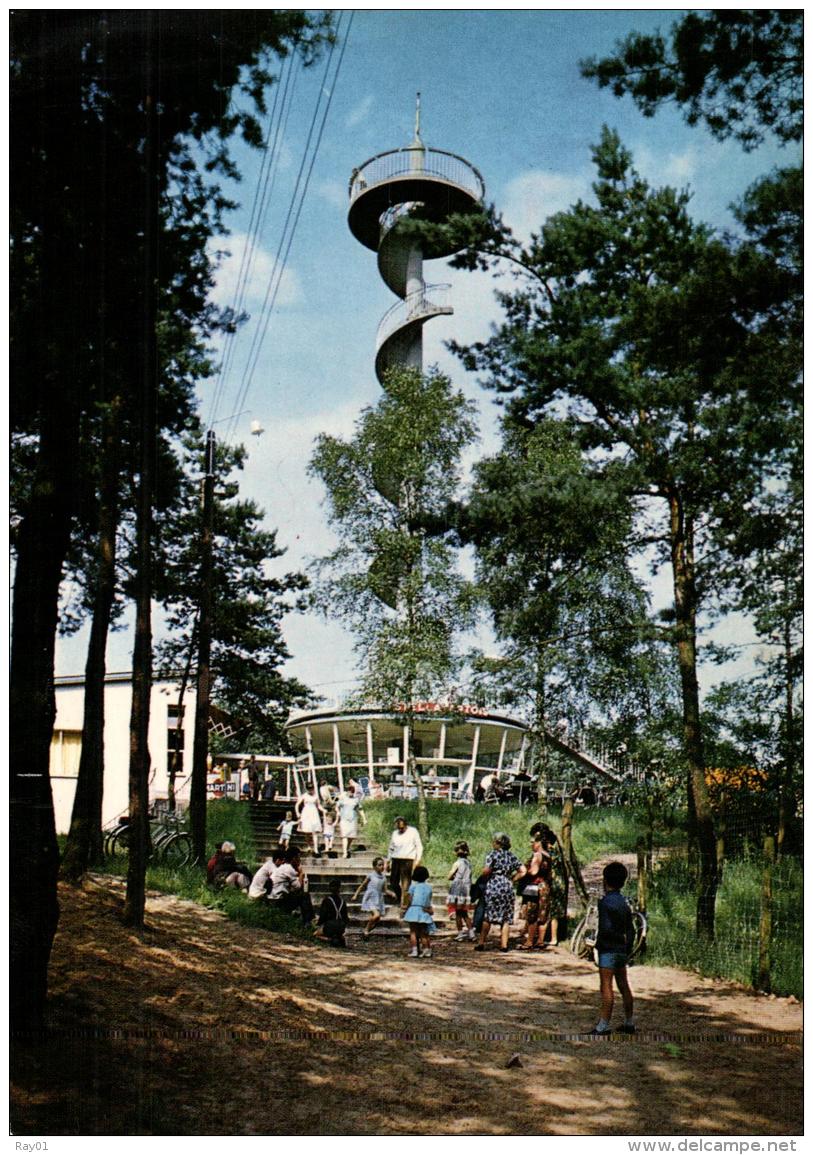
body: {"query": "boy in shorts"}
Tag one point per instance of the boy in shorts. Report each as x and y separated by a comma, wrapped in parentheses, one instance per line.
(613, 945)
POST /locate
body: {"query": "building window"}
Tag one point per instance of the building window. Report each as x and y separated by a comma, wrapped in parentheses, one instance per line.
(66, 749)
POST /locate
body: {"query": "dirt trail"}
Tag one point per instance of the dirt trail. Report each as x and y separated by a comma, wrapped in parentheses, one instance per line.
(204, 1027)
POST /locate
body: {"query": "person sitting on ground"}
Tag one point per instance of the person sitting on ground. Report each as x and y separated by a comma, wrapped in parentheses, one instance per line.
(616, 935)
(333, 916)
(213, 862)
(288, 883)
(261, 882)
(230, 872)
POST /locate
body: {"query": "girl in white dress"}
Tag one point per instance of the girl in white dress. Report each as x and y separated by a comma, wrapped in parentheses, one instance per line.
(310, 821)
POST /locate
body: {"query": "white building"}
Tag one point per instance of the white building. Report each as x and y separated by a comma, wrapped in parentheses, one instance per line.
(165, 736)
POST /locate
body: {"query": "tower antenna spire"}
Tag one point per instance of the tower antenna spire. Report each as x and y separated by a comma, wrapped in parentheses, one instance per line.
(418, 117)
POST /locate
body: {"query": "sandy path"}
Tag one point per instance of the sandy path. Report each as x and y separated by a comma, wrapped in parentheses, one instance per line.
(179, 1032)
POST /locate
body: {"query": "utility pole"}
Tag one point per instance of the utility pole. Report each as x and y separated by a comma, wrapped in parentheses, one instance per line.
(197, 790)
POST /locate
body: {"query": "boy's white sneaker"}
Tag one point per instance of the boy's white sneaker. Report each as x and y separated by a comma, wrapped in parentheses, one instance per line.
(426, 954)
(472, 936)
(414, 953)
(464, 934)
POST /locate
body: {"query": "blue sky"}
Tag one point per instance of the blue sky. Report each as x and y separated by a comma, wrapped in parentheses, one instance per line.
(501, 88)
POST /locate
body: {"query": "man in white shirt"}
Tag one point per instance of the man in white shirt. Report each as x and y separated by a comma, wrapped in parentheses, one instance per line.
(261, 882)
(405, 852)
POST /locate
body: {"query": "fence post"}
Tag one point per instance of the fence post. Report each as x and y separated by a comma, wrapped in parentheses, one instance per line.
(568, 853)
(643, 868)
(763, 981)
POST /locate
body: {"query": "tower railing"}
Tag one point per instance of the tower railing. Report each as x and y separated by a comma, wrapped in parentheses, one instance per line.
(432, 162)
(424, 302)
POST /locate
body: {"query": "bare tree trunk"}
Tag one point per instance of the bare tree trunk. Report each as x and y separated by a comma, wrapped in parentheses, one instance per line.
(572, 868)
(700, 814)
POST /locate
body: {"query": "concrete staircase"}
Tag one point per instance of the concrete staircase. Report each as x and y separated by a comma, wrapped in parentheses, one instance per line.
(351, 871)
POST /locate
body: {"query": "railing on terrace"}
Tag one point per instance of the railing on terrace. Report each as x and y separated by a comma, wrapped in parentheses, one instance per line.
(432, 162)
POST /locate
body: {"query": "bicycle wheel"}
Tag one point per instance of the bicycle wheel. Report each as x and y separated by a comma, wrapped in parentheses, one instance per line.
(577, 939)
(177, 850)
(640, 925)
(119, 844)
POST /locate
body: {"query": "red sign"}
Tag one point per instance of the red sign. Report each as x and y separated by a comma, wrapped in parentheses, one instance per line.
(438, 708)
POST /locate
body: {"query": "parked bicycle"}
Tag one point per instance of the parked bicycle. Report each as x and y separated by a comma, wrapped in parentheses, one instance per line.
(171, 845)
(583, 939)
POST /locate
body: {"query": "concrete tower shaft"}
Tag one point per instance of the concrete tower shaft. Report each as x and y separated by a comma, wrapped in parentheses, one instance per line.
(412, 181)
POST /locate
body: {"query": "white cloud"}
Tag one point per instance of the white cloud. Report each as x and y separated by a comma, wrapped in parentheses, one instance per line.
(529, 199)
(334, 192)
(671, 168)
(360, 111)
(260, 275)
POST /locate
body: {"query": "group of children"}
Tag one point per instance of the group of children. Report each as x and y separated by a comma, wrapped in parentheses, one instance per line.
(613, 943)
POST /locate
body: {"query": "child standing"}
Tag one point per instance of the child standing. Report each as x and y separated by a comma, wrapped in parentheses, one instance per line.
(286, 829)
(460, 892)
(329, 830)
(614, 942)
(418, 913)
(373, 901)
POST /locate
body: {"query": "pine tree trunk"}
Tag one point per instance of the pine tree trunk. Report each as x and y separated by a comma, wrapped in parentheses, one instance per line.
(701, 818)
(85, 844)
(42, 543)
(142, 649)
(423, 811)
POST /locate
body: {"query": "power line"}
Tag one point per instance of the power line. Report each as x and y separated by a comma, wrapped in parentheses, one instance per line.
(262, 191)
(292, 220)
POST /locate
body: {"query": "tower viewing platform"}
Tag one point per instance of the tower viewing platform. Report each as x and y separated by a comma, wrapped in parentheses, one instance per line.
(415, 182)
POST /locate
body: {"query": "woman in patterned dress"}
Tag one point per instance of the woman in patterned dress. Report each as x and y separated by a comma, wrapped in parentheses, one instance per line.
(557, 879)
(503, 868)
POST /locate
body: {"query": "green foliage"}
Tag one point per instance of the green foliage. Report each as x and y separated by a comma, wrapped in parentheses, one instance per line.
(552, 538)
(734, 953)
(394, 579)
(737, 70)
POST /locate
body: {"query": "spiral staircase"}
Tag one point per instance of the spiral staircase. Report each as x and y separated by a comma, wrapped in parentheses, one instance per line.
(413, 182)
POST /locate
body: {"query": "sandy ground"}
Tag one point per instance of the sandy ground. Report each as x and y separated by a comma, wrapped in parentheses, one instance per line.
(204, 1027)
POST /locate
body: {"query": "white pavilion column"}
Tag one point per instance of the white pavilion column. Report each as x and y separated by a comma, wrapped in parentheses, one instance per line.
(370, 761)
(337, 756)
(468, 781)
(502, 750)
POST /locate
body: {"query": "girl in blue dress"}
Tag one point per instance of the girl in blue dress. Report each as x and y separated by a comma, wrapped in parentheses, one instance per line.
(373, 902)
(418, 914)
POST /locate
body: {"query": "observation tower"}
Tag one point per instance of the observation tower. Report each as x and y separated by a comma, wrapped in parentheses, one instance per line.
(426, 184)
